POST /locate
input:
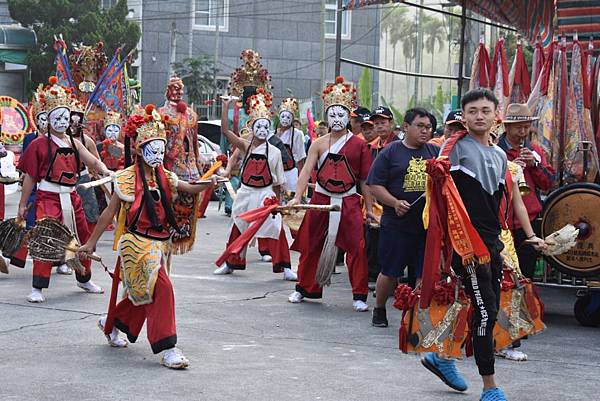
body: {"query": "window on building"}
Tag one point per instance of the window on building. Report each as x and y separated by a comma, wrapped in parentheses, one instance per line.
(106, 4)
(207, 108)
(331, 20)
(207, 12)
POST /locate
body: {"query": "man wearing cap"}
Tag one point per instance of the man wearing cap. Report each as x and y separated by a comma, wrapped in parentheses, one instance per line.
(539, 177)
(454, 123)
(367, 127)
(383, 126)
(356, 119)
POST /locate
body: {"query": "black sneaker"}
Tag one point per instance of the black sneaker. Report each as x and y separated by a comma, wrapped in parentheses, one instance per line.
(379, 317)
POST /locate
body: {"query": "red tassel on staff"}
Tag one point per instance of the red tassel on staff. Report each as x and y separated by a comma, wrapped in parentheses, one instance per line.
(256, 217)
(112, 304)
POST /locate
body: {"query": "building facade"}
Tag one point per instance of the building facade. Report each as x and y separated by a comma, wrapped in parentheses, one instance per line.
(292, 36)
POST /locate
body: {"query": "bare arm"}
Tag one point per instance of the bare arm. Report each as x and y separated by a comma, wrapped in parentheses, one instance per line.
(366, 193)
(309, 165)
(91, 146)
(385, 197)
(520, 212)
(232, 161)
(185, 186)
(231, 137)
(26, 189)
(90, 160)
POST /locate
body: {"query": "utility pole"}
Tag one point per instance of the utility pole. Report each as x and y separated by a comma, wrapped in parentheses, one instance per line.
(216, 60)
(173, 58)
(322, 20)
(338, 38)
(419, 52)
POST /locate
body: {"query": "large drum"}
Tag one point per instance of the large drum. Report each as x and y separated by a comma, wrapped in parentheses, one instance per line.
(577, 204)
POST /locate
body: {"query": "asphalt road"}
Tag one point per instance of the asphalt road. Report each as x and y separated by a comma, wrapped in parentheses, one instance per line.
(246, 342)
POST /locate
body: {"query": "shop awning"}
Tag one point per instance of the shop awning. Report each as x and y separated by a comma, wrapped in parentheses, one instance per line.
(15, 41)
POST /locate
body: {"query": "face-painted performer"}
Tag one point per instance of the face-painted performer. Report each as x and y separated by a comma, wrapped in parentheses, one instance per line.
(113, 150)
(53, 161)
(293, 139)
(261, 177)
(343, 161)
(183, 158)
(143, 200)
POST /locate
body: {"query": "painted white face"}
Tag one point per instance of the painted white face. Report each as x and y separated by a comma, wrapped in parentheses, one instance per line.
(112, 132)
(75, 119)
(285, 119)
(42, 120)
(337, 118)
(153, 152)
(60, 119)
(261, 128)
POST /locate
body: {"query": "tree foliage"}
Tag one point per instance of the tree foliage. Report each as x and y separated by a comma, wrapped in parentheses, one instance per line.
(197, 75)
(79, 21)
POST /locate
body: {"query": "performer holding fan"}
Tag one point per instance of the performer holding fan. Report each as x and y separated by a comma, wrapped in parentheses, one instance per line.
(54, 161)
(143, 197)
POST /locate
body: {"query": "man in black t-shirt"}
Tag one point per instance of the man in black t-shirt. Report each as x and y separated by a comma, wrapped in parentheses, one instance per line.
(397, 180)
(478, 170)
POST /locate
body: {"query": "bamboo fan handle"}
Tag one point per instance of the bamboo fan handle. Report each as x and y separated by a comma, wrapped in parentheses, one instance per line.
(93, 256)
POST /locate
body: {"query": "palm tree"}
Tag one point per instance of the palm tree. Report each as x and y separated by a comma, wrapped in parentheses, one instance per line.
(393, 26)
(435, 33)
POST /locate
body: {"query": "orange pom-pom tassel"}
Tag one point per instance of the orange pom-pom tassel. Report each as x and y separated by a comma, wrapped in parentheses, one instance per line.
(149, 108)
(339, 80)
(53, 80)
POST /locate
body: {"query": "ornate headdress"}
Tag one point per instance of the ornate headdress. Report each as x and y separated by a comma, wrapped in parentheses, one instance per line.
(56, 96)
(76, 106)
(146, 125)
(339, 94)
(251, 73)
(289, 104)
(113, 118)
(259, 106)
(87, 64)
(38, 103)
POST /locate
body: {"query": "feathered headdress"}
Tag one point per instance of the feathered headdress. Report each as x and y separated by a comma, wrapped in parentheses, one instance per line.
(340, 94)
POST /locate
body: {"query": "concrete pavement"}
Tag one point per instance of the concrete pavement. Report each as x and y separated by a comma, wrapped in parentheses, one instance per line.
(246, 342)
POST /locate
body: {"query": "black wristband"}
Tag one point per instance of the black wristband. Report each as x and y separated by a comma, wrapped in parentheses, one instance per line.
(531, 236)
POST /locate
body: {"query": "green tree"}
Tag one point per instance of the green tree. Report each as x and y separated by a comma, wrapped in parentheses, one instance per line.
(198, 76)
(394, 25)
(79, 21)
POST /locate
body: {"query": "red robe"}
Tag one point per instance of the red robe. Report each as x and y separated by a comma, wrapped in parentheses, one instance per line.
(314, 226)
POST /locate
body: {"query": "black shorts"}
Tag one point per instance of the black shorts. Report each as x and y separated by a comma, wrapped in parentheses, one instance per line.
(398, 249)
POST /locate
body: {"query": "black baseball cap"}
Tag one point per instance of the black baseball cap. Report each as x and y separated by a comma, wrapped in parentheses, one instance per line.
(360, 112)
(382, 112)
(366, 119)
(455, 116)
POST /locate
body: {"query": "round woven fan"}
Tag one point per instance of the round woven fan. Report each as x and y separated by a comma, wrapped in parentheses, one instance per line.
(51, 241)
(12, 233)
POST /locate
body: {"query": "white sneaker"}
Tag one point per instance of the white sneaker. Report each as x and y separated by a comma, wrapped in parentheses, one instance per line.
(266, 258)
(289, 275)
(360, 306)
(174, 359)
(64, 269)
(223, 270)
(113, 338)
(512, 354)
(295, 297)
(90, 287)
(36, 296)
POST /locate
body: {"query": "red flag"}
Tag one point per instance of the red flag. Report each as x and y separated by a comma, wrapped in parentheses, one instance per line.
(520, 85)
(480, 75)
